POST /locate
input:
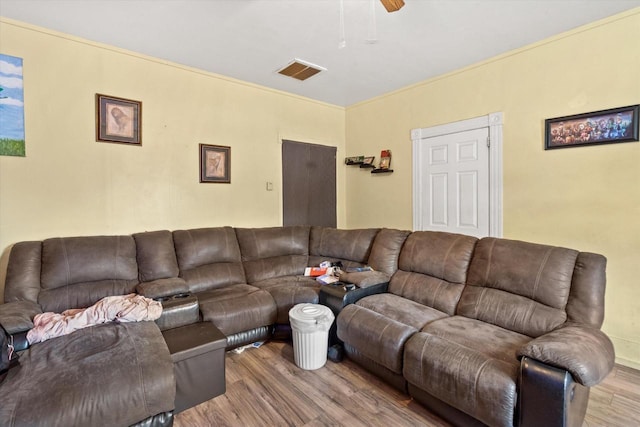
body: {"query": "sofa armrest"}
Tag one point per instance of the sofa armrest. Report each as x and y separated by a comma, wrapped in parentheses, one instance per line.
(364, 279)
(587, 353)
(17, 316)
(549, 396)
(162, 288)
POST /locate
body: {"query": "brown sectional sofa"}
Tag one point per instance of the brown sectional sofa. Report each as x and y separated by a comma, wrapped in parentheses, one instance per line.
(488, 331)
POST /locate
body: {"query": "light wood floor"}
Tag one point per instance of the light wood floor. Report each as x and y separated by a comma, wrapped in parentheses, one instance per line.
(266, 388)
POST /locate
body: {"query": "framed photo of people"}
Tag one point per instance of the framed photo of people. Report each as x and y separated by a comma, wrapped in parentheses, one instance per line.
(599, 127)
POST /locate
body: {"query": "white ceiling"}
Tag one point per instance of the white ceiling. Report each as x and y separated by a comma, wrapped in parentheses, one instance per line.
(250, 39)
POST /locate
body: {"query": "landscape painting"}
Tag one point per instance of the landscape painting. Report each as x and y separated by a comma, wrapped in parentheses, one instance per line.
(11, 107)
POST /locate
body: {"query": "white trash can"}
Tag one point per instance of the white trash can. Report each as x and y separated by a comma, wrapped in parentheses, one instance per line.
(310, 325)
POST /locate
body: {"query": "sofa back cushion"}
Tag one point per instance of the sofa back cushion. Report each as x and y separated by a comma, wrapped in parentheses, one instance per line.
(520, 286)
(352, 247)
(432, 268)
(273, 251)
(76, 272)
(208, 258)
(385, 250)
(156, 255)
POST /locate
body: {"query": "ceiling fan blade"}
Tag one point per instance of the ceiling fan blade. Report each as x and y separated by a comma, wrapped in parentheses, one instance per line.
(392, 5)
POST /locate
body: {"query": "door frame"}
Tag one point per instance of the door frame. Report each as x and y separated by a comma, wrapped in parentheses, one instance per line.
(494, 122)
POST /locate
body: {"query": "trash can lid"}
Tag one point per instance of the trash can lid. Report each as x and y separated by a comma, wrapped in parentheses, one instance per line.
(311, 313)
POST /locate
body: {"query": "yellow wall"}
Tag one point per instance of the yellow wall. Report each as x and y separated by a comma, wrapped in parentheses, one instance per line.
(70, 185)
(585, 198)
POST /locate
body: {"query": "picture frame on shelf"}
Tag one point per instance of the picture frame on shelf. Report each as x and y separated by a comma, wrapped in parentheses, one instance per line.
(596, 128)
(354, 160)
(368, 162)
(385, 163)
(385, 159)
(118, 120)
(215, 164)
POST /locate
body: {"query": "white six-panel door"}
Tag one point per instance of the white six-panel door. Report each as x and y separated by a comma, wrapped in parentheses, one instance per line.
(455, 182)
(457, 176)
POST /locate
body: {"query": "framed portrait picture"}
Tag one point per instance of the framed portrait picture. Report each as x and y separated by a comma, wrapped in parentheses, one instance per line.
(215, 163)
(599, 127)
(118, 120)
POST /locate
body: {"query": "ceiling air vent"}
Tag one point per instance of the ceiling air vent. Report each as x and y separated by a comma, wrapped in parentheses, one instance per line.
(301, 70)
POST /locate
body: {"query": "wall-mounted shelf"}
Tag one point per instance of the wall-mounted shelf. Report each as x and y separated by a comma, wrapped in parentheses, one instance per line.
(367, 162)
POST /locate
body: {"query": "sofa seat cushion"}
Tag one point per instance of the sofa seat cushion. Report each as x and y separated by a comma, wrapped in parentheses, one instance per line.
(469, 364)
(237, 308)
(288, 291)
(401, 309)
(374, 335)
(288, 296)
(296, 280)
(110, 374)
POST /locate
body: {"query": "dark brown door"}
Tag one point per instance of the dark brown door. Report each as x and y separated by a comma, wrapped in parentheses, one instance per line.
(309, 184)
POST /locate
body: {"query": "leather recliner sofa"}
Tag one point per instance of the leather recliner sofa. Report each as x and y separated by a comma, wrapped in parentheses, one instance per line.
(487, 332)
(449, 297)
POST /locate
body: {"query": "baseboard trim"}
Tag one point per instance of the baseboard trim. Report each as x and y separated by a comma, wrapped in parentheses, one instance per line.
(628, 363)
(627, 353)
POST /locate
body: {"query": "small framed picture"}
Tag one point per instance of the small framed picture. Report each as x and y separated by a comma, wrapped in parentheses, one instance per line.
(385, 159)
(215, 164)
(118, 120)
(599, 127)
(354, 160)
(367, 163)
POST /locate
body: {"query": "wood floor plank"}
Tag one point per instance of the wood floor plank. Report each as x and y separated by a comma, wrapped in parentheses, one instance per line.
(624, 380)
(255, 405)
(291, 405)
(266, 388)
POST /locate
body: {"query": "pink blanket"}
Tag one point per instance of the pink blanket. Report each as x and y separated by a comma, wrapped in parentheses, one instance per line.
(121, 308)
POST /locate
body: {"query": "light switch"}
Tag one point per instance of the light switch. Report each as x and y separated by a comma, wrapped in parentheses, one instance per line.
(269, 186)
